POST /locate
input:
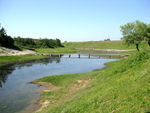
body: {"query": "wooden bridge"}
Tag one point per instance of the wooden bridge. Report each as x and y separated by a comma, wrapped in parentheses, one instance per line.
(79, 55)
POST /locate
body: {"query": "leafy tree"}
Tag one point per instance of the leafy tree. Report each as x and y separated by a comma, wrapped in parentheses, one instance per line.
(134, 33)
(37, 43)
(44, 43)
(148, 34)
(29, 43)
(25, 42)
(48, 43)
(108, 39)
(5, 40)
(58, 43)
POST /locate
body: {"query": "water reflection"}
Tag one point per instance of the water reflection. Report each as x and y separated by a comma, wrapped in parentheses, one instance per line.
(5, 71)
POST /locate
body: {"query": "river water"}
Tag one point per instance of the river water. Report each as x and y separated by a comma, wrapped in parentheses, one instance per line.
(17, 95)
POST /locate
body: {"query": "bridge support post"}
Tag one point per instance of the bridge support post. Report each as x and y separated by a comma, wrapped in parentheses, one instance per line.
(78, 55)
(89, 56)
(69, 55)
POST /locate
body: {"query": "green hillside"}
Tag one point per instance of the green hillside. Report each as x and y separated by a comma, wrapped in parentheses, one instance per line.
(122, 87)
(71, 47)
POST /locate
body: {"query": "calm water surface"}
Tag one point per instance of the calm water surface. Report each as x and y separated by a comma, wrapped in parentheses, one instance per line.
(18, 95)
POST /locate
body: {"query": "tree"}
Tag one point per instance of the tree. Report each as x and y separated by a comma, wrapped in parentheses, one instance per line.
(58, 43)
(5, 40)
(148, 34)
(134, 33)
(108, 39)
(2, 36)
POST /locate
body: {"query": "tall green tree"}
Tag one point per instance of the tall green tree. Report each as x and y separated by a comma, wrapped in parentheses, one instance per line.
(133, 33)
(5, 40)
(147, 37)
(58, 43)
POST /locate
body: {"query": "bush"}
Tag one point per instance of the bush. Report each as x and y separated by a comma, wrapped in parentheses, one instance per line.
(24, 42)
(135, 60)
(107, 39)
(37, 43)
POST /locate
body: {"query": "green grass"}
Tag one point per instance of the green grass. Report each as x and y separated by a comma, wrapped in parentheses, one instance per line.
(103, 45)
(57, 50)
(18, 58)
(122, 87)
(72, 47)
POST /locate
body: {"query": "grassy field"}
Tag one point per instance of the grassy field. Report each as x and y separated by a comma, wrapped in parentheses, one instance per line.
(99, 45)
(20, 58)
(57, 50)
(122, 87)
(71, 47)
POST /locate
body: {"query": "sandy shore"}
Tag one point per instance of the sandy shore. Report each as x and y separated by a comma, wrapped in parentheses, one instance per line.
(12, 52)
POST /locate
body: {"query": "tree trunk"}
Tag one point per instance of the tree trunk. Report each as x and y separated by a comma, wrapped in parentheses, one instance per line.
(137, 47)
(149, 42)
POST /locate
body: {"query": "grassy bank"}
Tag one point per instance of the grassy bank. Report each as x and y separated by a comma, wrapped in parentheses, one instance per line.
(71, 47)
(122, 87)
(120, 45)
(19, 58)
(57, 50)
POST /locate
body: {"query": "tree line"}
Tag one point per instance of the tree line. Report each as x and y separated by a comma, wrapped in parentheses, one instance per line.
(135, 33)
(8, 41)
(37, 43)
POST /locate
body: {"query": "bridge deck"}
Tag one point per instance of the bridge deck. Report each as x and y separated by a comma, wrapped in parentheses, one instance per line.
(85, 55)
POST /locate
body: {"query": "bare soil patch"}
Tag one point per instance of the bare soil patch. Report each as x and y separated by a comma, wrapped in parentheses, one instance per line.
(12, 52)
(73, 88)
(49, 86)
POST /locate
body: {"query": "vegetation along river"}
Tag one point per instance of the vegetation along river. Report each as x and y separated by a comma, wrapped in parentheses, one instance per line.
(18, 95)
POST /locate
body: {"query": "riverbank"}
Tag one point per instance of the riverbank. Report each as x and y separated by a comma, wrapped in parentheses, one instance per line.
(123, 86)
(5, 60)
(11, 56)
(101, 46)
(13, 52)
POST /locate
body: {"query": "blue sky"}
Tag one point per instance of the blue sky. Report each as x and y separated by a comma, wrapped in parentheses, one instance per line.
(71, 20)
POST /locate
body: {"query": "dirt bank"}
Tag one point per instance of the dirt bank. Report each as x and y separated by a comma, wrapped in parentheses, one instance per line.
(12, 52)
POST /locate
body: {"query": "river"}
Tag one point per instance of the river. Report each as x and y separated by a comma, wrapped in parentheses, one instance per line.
(18, 95)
